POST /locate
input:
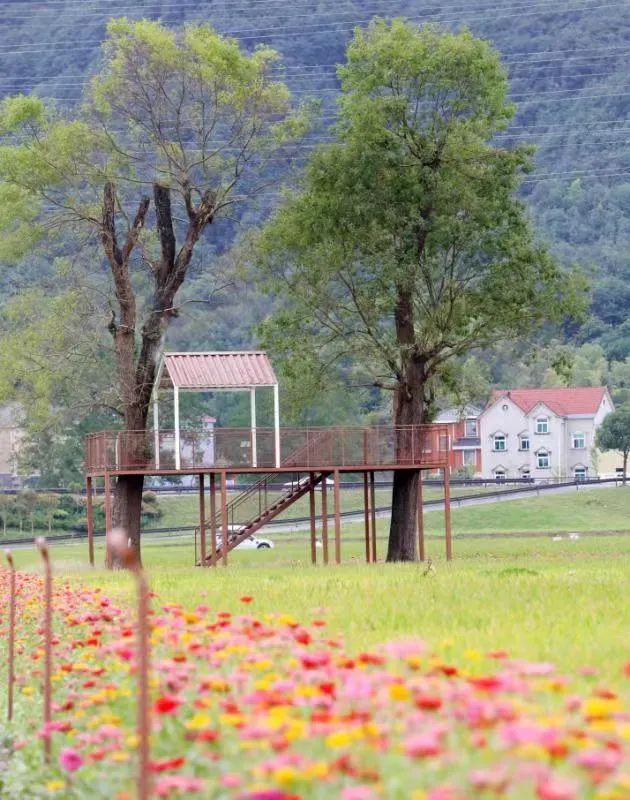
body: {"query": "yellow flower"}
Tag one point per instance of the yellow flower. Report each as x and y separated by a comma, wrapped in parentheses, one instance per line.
(198, 722)
(473, 655)
(55, 786)
(234, 720)
(119, 756)
(339, 739)
(28, 690)
(600, 707)
(398, 691)
(285, 775)
(318, 769)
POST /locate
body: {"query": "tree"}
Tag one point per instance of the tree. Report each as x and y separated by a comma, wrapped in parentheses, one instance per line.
(614, 434)
(406, 247)
(177, 130)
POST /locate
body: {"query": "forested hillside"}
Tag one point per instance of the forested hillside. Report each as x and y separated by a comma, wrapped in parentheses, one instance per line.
(567, 62)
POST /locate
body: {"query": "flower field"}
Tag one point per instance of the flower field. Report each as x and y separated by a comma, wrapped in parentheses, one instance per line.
(272, 708)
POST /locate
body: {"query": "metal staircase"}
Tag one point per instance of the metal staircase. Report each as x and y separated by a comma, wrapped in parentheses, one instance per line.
(240, 531)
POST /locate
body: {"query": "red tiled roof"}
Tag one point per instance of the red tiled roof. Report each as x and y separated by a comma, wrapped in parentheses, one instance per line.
(217, 370)
(564, 401)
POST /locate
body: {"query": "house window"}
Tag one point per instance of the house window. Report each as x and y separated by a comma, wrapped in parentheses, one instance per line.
(579, 441)
(471, 428)
(523, 443)
(525, 473)
(499, 442)
(580, 473)
(542, 425)
(542, 459)
(499, 474)
(470, 458)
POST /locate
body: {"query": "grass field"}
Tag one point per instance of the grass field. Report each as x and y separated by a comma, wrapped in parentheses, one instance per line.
(233, 679)
(577, 510)
(184, 509)
(560, 601)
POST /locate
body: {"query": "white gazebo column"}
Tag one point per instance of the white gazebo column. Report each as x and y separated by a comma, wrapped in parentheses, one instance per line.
(276, 423)
(178, 463)
(156, 429)
(252, 394)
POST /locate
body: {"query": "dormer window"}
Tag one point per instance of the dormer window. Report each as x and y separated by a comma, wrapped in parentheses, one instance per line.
(542, 459)
(499, 442)
(523, 441)
(542, 424)
(471, 428)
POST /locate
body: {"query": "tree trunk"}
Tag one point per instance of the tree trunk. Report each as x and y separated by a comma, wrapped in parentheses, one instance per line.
(137, 366)
(127, 510)
(408, 410)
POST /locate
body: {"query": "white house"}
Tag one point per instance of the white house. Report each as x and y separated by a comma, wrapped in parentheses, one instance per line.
(542, 433)
(10, 437)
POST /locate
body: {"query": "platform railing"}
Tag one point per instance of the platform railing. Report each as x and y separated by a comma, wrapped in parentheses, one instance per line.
(231, 448)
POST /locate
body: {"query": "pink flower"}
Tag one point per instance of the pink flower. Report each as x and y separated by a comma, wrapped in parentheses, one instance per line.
(169, 784)
(358, 793)
(557, 789)
(70, 759)
(426, 744)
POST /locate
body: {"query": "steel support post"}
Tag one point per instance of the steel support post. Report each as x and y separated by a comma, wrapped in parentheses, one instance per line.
(325, 519)
(337, 503)
(311, 498)
(447, 513)
(213, 518)
(366, 511)
(420, 519)
(89, 510)
(202, 519)
(225, 533)
(373, 515)
(108, 518)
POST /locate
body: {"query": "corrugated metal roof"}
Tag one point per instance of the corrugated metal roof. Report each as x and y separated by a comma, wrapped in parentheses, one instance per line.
(234, 370)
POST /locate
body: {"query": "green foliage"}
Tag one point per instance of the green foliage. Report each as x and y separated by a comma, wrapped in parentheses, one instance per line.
(614, 432)
(415, 200)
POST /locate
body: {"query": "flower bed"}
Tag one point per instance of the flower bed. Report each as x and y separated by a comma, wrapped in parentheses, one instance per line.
(274, 709)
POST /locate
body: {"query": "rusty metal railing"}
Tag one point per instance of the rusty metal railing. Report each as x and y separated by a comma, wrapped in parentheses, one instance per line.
(231, 448)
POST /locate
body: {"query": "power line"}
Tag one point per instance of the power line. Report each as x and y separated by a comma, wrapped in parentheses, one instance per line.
(302, 31)
(238, 6)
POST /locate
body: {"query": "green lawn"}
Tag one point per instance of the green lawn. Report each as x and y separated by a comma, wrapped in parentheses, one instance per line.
(578, 510)
(560, 601)
(183, 510)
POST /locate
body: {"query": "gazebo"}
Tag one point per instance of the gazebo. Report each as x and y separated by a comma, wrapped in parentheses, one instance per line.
(216, 372)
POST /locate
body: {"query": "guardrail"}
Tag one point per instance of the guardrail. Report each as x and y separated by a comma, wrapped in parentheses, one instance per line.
(80, 533)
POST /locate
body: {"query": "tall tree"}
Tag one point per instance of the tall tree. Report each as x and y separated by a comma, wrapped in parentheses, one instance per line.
(614, 434)
(177, 128)
(407, 246)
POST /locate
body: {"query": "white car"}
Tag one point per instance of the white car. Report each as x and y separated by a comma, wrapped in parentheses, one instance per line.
(252, 543)
(304, 481)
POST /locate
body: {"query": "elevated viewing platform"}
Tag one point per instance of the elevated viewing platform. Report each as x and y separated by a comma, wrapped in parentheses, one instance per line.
(199, 450)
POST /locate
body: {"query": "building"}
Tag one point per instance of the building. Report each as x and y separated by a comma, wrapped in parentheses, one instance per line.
(10, 436)
(463, 428)
(543, 433)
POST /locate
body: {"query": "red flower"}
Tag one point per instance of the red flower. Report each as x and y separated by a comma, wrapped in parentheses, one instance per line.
(166, 705)
(428, 702)
(247, 598)
(167, 764)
